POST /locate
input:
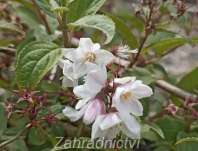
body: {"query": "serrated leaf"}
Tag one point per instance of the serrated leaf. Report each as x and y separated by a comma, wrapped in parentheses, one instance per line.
(79, 8)
(125, 32)
(34, 60)
(100, 22)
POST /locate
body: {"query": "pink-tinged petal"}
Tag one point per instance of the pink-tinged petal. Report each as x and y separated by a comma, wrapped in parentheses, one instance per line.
(109, 121)
(95, 108)
(130, 106)
(81, 103)
(141, 91)
(96, 131)
(73, 114)
(104, 57)
(131, 124)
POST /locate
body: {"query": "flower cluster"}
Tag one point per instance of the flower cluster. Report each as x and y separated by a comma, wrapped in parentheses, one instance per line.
(111, 106)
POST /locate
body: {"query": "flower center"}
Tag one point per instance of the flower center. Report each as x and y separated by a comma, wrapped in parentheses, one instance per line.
(90, 57)
(126, 96)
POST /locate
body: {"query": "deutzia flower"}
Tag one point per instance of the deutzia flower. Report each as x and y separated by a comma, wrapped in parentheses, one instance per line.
(94, 82)
(89, 112)
(127, 93)
(109, 125)
(87, 54)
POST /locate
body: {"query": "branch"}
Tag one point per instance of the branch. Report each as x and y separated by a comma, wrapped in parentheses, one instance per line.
(42, 16)
(3, 144)
(175, 90)
(8, 51)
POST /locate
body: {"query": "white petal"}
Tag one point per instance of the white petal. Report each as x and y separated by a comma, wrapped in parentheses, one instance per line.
(96, 46)
(81, 103)
(104, 57)
(130, 106)
(96, 131)
(131, 124)
(109, 121)
(128, 133)
(96, 79)
(67, 52)
(141, 91)
(86, 44)
(124, 80)
(73, 114)
(81, 91)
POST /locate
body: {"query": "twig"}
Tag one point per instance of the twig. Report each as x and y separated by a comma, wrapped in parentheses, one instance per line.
(175, 90)
(148, 27)
(8, 51)
(3, 144)
(42, 16)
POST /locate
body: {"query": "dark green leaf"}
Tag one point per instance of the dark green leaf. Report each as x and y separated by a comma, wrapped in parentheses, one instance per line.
(34, 60)
(3, 123)
(125, 32)
(36, 137)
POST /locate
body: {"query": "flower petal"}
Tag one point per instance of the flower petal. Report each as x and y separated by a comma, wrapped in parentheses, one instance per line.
(141, 91)
(104, 57)
(96, 131)
(94, 109)
(81, 103)
(131, 124)
(86, 44)
(73, 114)
(131, 106)
(109, 121)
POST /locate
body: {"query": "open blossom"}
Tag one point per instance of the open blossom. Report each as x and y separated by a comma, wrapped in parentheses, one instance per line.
(94, 82)
(127, 95)
(87, 55)
(109, 125)
(89, 112)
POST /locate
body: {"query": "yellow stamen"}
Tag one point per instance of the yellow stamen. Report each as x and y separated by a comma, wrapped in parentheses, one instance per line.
(90, 57)
(126, 96)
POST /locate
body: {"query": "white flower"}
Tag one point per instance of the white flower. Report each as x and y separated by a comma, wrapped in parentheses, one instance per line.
(94, 82)
(88, 54)
(127, 94)
(109, 125)
(89, 112)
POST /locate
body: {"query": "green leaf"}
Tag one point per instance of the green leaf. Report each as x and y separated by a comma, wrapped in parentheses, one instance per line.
(189, 82)
(3, 123)
(100, 22)
(165, 45)
(125, 32)
(45, 6)
(79, 8)
(36, 137)
(34, 60)
(187, 140)
(18, 145)
(170, 127)
(149, 132)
